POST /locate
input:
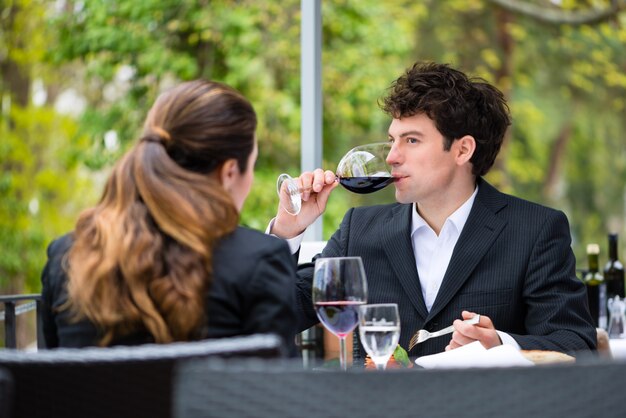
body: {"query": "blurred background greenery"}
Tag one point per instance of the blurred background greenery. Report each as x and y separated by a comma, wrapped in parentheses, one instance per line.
(77, 78)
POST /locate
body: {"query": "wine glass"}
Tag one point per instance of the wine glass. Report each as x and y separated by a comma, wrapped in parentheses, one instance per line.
(339, 288)
(362, 170)
(379, 330)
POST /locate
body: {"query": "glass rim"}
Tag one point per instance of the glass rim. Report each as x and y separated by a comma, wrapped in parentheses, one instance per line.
(356, 261)
(372, 144)
(330, 260)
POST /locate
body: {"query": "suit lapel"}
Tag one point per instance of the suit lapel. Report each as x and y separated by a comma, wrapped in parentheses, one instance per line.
(396, 240)
(479, 233)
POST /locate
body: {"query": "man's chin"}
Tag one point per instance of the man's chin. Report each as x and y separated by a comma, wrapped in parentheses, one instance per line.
(401, 198)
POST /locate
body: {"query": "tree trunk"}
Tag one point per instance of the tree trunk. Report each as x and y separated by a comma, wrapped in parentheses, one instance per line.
(503, 79)
(15, 80)
(555, 162)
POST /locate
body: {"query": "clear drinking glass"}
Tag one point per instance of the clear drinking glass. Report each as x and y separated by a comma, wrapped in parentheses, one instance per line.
(379, 330)
(362, 170)
(339, 288)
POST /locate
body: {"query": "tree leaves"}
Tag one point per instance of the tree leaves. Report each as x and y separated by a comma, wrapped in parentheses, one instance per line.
(566, 86)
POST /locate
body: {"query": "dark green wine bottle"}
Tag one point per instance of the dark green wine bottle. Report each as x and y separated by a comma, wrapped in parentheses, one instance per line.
(596, 287)
(614, 271)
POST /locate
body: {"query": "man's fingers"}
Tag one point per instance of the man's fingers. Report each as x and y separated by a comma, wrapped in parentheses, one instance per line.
(484, 321)
(314, 182)
(305, 182)
(462, 338)
(319, 180)
(452, 345)
(322, 197)
(484, 331)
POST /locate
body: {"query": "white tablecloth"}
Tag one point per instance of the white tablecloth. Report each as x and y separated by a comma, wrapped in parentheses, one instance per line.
(618, 348)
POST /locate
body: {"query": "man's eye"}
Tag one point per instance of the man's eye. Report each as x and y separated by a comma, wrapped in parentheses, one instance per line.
(412, 140)
(390, 140)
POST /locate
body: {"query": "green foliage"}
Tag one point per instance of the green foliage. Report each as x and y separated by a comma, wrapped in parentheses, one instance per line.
(41, 184)
(245, 44)
(560, 80)
(565, 84)
(41, 188)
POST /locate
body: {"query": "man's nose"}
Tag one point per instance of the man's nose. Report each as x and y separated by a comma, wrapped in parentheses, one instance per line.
(393, 156)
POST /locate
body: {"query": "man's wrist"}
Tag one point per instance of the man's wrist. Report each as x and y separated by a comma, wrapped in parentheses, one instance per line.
(275, 229)
(294, 243)
(507, 339)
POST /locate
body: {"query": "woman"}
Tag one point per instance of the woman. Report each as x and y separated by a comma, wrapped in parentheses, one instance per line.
(161, 257)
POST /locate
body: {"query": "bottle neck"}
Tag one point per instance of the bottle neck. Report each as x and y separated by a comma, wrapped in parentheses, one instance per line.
(612, 247)
(593, 262)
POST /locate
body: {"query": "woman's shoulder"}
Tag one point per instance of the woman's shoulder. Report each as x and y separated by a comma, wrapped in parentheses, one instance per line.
(246, 241)
(244, 251)
(55, 268)
(61, 245)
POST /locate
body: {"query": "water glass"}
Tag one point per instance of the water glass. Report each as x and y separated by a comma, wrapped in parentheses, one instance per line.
(379, 330)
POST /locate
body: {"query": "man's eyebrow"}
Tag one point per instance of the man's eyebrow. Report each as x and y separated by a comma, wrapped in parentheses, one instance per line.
(409, 133)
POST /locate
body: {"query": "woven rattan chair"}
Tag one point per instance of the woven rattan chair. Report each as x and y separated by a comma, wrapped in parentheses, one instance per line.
(113, 382)
(257, 389)
(6, 393)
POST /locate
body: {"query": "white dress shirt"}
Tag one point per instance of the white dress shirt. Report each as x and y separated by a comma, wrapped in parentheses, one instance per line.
(432, 251)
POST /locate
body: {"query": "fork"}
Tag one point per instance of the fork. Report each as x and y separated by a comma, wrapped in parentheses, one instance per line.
(423, 335)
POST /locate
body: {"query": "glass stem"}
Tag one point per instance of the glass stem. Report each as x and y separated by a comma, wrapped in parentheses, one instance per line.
(343, 361)
(381, 366)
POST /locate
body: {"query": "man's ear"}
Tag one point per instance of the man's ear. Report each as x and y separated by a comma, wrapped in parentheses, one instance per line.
(464, 149)
(228, 173)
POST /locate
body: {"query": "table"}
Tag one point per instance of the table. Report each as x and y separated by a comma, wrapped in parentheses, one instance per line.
(235, 388)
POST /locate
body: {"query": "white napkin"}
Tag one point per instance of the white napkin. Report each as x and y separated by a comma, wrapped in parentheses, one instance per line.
(475, 355)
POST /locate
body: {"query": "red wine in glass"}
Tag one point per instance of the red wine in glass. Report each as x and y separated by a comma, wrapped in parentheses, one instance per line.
(364, 185)
(339, 287)
(339, 317)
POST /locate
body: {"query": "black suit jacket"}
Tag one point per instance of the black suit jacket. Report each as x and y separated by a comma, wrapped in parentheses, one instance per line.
(513, 262)
(252, 292)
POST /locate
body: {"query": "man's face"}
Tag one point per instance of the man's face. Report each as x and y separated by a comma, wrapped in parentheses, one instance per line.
(423, 171)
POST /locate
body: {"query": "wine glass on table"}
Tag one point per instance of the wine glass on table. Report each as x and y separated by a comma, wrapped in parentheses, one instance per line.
(379, 331)
(361, 170)
(339, 288)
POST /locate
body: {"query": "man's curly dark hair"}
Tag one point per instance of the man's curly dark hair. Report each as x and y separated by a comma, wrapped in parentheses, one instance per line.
(457, 104)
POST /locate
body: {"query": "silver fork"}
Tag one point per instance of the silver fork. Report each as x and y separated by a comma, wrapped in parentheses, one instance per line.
(423, 335)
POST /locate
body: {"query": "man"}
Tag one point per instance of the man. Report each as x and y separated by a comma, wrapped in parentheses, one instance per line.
(453, 246)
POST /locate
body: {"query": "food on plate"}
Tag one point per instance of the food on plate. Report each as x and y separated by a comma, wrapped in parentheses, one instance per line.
(398, 360)
(547, 357)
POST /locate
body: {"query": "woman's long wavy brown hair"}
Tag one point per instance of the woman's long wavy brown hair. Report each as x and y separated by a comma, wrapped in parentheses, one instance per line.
(142, 258)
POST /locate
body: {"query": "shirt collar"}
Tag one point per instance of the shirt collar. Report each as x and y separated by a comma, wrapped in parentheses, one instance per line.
(458, 217)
